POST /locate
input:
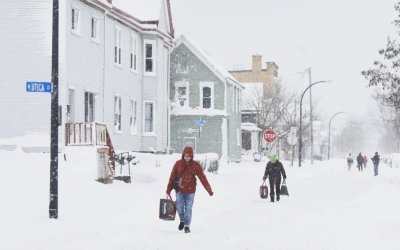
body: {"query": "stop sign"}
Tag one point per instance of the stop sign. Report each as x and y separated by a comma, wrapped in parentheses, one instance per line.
(269, 135)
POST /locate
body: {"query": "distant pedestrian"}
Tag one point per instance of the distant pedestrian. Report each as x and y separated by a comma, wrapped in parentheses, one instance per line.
(186, 170)
(365, 161)
(349, 161)
(360, 162)
(273, 171)
(375, 161)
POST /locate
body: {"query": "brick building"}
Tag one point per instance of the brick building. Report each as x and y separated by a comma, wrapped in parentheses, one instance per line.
(258, 74)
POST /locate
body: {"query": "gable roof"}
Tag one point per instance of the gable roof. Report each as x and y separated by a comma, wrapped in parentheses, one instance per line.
(213, 65)
(150, 13)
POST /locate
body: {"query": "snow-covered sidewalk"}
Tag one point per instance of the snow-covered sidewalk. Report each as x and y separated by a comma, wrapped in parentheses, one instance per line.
(328, 208)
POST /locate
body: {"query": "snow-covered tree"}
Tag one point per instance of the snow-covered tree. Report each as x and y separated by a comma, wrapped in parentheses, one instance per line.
(384, 73)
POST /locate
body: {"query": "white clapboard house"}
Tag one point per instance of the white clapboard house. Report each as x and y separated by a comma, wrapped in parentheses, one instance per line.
(113, 72)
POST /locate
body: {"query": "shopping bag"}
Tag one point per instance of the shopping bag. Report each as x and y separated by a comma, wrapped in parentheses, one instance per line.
(284, 189)
(167, 209)
(263, 191)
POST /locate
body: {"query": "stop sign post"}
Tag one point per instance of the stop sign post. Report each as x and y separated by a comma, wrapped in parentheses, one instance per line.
(269, 135)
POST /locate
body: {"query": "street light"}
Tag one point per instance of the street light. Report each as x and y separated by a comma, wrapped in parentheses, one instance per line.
(329, 131)
(301, 114)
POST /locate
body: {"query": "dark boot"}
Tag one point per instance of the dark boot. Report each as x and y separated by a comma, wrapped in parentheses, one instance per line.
(278, 198)
(272, 198)
(180, 227)
(187, 230)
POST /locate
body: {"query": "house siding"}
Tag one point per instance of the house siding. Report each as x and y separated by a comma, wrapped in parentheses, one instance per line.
(219, 133)
(121, 81)
(208, 137)
(85, 65)
(25, 52)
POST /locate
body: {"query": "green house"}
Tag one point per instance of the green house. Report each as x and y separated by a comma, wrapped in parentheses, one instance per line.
(205, 104)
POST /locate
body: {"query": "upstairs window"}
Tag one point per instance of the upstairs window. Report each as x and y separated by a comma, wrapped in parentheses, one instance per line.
(117, 45)
(149, 57)
(206, 95)
(181, 64)
(133, 53)
(75, 20)
(94, 29)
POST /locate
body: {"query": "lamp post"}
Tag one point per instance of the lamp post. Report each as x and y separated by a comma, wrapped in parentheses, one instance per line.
(301, 118)
(329, 130)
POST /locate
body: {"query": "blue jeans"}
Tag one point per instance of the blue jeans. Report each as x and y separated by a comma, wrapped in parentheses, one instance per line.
(184, 204)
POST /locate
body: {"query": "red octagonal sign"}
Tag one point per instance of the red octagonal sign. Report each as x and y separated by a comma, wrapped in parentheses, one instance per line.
(269, 135)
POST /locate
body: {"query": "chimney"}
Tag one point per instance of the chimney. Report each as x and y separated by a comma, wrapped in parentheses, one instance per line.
(256, 64)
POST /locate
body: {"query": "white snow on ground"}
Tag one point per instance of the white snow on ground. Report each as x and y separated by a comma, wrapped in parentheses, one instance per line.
(328, 207)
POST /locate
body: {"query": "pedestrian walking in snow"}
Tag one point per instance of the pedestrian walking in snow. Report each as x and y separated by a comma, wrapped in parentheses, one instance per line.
(365, 161)
(375, 161)
(360, 162)
(349, 161)
(185, 171)
(273, 171)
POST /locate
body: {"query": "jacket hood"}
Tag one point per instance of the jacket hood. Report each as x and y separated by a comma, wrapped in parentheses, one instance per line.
(188, 150)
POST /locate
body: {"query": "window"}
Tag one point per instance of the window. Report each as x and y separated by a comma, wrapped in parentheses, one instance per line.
(133, 116)
(181, 93)
(148, 117)
(117, 45)
(206, 95)
(89, 107)
(75, 20)
(133, 54)
(181, 63)
(150, 57)
(117, 113)
(94, 29)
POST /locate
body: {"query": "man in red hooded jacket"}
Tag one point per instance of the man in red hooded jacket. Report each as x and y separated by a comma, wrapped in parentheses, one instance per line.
(186, 169)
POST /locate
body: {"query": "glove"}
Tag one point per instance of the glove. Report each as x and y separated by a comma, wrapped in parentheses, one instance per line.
(211, 193)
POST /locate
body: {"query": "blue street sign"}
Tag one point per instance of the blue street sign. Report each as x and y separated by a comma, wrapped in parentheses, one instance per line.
(39, 87)
(200, 122)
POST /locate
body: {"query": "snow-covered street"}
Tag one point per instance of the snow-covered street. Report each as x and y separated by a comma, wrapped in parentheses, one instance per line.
(328, 208)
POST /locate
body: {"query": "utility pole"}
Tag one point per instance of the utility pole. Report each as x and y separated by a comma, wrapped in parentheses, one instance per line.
(311, 119)
(53, 206)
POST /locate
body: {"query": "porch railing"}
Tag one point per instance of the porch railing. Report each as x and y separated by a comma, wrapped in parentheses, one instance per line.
(85, 134)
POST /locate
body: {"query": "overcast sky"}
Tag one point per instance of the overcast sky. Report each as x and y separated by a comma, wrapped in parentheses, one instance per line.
(337, 39)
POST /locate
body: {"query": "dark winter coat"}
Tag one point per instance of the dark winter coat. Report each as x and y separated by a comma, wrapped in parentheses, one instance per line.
(274, 171)
(360, 159)
(375, 159)
(188, 173)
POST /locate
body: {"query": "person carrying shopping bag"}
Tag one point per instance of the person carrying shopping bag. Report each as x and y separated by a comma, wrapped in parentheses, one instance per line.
(273, 171)
(184, 175)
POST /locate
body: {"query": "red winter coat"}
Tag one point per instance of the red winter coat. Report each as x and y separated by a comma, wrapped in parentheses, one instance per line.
(188, 173)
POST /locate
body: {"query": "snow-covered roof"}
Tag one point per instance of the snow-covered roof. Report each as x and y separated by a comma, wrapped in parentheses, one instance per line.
(145, 15)
(142, 9)
(248, 126)
(212, 64)
(251, 95)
